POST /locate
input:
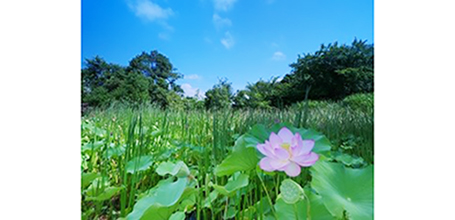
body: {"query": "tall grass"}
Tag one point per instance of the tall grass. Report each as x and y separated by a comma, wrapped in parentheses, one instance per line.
(202, 139)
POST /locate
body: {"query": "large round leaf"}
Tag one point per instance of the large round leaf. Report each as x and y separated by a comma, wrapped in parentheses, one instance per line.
(87, 178)
(299, 210)
(241, 160)
(106, 194)
(139, 164)
(177, 216)
(165, 194)
(175, 169)
(344, 189)
(233, 185)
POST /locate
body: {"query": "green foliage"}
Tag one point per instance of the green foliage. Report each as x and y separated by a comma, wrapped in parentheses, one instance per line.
(299, 210)
(362, 102)
(256, 96)
(207, 143)
(139, 164)
(333, 72)
(106, 194)
(344, 189)
(220, 96)
(178, 169)
(235, 183)
(149, 78)
(161, 200)
(87, 178)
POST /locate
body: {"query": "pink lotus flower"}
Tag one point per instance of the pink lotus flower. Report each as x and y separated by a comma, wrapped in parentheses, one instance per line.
(287, 152)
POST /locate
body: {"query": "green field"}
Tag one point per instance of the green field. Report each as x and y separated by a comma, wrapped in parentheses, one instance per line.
(130, 162)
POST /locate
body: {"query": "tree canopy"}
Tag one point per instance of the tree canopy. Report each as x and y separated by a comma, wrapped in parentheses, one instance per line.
(149, 78)
(331, 73)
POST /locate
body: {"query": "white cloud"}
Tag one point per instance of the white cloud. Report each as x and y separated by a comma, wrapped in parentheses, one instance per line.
(278, 56)
(221, 22)
(164, 36)
(228, 40)
(193, 76)
(224, 5)
(208, 40)
(150, 11)
(189, 91)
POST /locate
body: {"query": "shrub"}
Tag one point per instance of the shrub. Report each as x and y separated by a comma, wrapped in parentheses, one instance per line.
(360, 101)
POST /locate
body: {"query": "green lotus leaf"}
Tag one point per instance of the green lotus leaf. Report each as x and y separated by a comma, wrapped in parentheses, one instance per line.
(321, 143)
(92, 146)
(87, 178)
(344, 188)
(106, 194)
(115, 151)
(241, 160)
(157, 204)
(178, 169)
(233, 185)
(177, 216)
(139, 164)
(298, 211)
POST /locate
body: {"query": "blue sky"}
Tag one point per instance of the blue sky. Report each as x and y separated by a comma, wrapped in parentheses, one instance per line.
(241, 40)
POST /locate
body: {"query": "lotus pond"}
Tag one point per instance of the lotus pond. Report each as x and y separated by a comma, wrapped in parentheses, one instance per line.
(149, 163)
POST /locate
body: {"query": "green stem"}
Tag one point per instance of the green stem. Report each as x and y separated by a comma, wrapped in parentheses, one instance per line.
(295, 211)
(308, 208)
(268, 196)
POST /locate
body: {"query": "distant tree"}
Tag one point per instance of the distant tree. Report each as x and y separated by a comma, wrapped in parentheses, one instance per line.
(333, 72)
(161, 75)
(149, 78)
(103, 83)
(220, 96)
(193, 103)
(257, 95)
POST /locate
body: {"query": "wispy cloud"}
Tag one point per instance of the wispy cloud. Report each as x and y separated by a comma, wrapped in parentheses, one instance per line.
(149, 10)
(208, 40)
(193, 76)
(221, 22)
(223, 5)
(164, 36)
(152, 12)
(190, 91)
(228, 41)
(278, 56)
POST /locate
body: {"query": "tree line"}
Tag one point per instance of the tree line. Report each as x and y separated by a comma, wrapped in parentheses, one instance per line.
(331, 73)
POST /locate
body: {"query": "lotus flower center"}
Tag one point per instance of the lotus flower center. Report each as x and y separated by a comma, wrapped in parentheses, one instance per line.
(286, 146)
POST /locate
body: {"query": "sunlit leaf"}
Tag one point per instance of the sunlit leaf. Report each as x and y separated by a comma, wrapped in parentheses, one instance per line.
(166, 194)
(178, 169)
(87, 178)
(233, 185)
(344, 188)
(139, 164)
(106, 194)
(177, 216)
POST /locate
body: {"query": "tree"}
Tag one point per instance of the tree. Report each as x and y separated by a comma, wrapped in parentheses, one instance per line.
(161, 76)
(257, 95)
(333, 72)
(149, 78)
(220, 96)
